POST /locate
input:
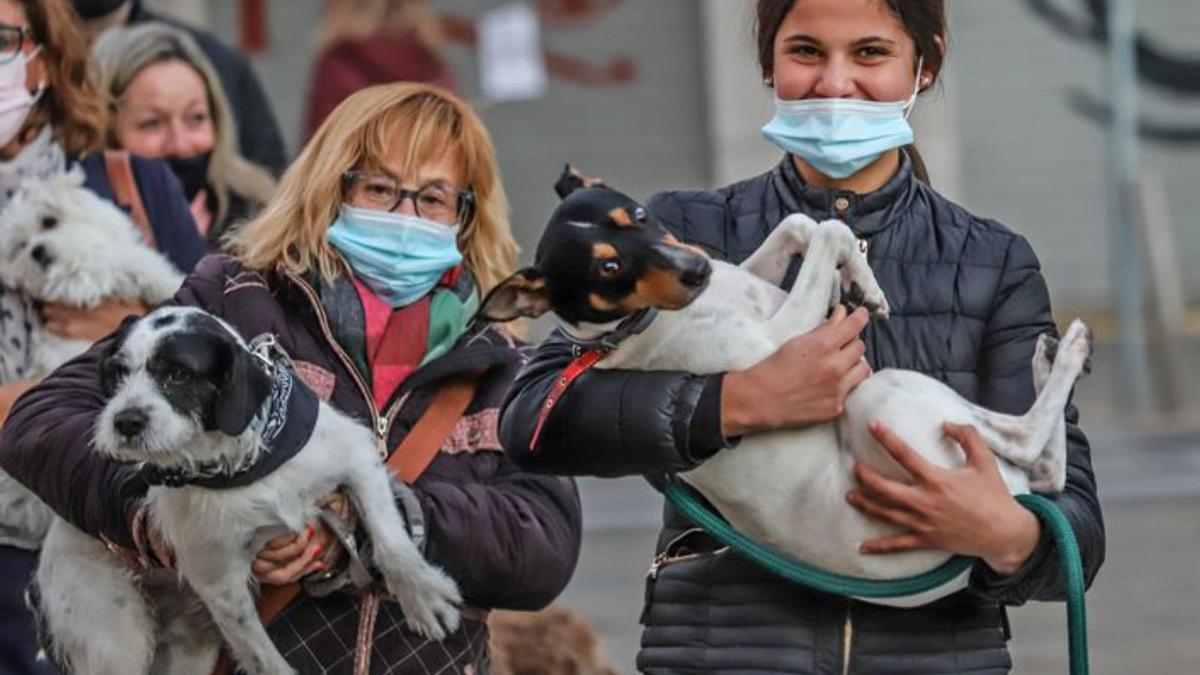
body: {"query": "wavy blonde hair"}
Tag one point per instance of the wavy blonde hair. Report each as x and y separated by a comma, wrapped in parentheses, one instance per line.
(121, 54)
(290, 232)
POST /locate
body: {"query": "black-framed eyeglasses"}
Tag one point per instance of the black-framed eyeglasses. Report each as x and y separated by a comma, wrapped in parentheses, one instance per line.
(436, 201)
(12, 40)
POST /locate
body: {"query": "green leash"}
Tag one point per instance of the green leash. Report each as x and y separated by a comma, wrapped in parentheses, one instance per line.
(685, 499)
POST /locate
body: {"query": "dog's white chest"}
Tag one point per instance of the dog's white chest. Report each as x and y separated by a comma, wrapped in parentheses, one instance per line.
(721, 330)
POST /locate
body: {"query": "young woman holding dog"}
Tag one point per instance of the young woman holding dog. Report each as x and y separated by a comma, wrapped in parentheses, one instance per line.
(367, 267)
(968, 302)
(51, 117)
(168, 104)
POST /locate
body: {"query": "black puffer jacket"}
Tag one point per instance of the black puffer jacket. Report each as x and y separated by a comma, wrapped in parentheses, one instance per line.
(968, 302)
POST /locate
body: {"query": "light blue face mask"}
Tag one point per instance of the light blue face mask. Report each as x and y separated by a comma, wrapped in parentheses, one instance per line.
(840, 136)
(399, 257)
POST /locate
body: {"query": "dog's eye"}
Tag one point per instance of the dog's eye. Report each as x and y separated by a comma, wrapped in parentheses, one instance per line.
(609, 267)
(177, 375)
(49, 222)
(639, 214)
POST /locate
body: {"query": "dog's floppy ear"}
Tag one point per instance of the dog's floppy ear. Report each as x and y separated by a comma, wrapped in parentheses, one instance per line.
(523, 294)
(112, 370)
(571, 180)
(245, 386)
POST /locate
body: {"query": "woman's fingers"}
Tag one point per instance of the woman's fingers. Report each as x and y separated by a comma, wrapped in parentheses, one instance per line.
(896, 544)
(286, 547)
(974, 447)
(900, 451)
(881, 488)
(293, 570)
(880, 510)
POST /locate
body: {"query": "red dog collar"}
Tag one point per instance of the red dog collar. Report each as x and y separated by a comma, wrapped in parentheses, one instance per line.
(579, 366)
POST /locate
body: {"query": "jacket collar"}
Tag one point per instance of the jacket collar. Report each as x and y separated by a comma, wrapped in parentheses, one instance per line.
(866, 214)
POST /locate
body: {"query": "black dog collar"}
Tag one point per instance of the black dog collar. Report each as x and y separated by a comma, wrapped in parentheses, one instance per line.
(636, 323)
(283, 425)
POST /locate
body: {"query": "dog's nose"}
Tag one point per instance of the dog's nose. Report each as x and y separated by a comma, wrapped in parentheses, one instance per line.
(40, 255)
(697, 275)
(130, 422)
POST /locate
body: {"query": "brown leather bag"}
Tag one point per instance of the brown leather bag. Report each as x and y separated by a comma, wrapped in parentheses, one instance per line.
(407, 462)
(125, 190)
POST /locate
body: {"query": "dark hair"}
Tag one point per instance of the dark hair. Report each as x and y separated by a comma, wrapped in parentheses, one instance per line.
(924, 21)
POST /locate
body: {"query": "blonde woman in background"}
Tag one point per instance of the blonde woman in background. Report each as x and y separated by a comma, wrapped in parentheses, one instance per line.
(168, 104)
(368, 267)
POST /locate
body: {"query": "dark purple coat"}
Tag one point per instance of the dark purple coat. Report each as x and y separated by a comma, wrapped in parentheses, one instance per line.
(509, 538)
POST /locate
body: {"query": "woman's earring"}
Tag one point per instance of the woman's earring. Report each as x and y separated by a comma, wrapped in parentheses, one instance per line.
(769, 81)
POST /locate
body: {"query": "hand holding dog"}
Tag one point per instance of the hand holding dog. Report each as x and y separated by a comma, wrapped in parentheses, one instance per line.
(804, 382)
(967, 511)
(290, 557)
(77, 323)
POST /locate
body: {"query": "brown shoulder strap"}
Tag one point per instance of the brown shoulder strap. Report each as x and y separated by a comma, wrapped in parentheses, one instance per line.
(120, 176)
(407, 462)
(425, 439)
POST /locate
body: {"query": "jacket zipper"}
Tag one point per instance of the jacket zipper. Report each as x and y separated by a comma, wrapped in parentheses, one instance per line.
(381, 423)
(847, 640)
(664, 557)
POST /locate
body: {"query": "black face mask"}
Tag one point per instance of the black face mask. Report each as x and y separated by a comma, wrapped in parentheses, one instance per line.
(192, 172)
(94, 9)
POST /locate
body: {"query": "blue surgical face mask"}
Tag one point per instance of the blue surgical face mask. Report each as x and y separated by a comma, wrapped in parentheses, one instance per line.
(839, 136)
(399, 257)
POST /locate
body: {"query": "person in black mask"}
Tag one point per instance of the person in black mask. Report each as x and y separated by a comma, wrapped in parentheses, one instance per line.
(168, 104)
(260, 140)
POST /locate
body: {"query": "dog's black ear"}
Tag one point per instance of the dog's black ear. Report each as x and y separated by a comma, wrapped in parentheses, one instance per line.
(245, 386)
(571, 180)
(112, 370)
(523, 294)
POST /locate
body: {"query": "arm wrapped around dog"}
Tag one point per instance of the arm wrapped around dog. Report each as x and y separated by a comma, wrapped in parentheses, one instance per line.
(611, 422)
(46, 442)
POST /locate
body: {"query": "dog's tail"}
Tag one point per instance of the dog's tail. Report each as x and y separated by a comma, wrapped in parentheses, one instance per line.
(571, 180)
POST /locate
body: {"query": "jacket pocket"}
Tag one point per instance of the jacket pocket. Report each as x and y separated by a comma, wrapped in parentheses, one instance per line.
(679, 557)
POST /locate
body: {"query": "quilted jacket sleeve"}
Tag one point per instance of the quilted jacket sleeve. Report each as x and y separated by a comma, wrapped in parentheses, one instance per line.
(610, 422)
(1021, 312)
(46, 442)
(520, 527)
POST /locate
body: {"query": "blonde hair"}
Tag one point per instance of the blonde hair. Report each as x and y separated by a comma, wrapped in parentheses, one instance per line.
(121, 54)
(290, 232)
(352, 19)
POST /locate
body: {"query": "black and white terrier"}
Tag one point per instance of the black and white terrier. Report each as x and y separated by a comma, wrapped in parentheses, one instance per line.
(238, 451)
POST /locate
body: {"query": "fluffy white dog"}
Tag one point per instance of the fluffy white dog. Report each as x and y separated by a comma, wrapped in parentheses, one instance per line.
(62, 243)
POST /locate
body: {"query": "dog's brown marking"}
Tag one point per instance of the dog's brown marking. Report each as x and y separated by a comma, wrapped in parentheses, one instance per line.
(603, 251)
(601, 304)
(621, 217)
(672, 241)
(660, 288)
(588, 181)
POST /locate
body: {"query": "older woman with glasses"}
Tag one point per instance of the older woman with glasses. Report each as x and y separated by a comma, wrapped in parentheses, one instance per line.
(368, 267)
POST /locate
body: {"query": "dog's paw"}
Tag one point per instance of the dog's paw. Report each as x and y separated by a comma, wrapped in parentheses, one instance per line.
(430, 600)
(1077, 343)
